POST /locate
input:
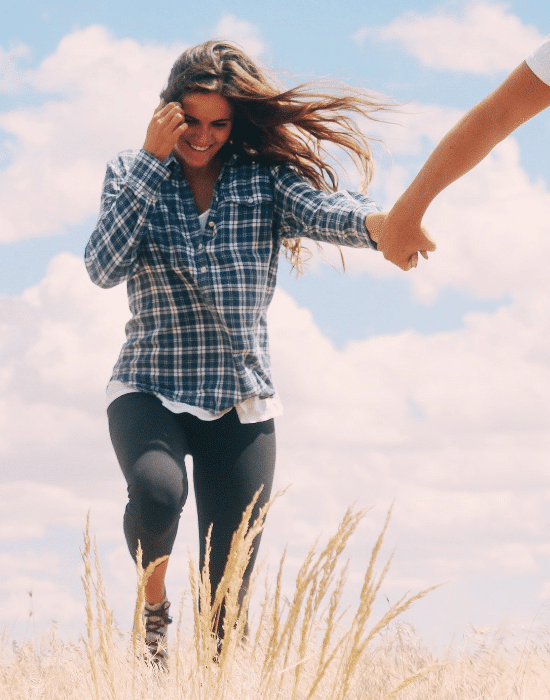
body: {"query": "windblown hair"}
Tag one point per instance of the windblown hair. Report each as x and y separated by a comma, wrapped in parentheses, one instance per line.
(273, 125)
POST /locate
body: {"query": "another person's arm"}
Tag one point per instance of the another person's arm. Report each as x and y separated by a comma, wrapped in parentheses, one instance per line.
(521, 96)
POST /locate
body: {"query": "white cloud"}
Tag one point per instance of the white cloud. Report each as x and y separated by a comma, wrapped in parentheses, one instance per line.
(492, 226)
(12, 78)
(59, 148)
(484, 38)
(452, 426)
(57, 151)
(58, 343)
(66, 352)
(468, 478)
(479, 389)
(32, 601)
(30, 561)
(30, 508)
(241, 32)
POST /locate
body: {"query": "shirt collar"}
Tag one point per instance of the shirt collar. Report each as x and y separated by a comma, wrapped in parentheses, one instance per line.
(172, 163)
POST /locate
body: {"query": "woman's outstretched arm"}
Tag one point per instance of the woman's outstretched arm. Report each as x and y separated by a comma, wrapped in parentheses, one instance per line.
(516, 100)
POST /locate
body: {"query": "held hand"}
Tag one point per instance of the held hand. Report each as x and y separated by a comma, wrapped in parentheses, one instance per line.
(400, 243)
(374, 224)
(164, 130)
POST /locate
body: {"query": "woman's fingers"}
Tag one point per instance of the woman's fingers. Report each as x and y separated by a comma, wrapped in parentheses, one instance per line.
(169, 117)
(400, 242)
(166, 126)
(159, 107)
(168, 109)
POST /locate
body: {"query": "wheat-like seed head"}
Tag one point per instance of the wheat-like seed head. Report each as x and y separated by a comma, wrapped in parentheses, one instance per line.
(302, 649)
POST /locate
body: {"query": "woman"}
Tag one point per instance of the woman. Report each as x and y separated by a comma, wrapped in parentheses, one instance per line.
(231, 168)
(524, 93)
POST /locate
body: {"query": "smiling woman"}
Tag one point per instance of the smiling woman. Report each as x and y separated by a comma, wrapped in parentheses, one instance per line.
(232, 168)
(208, 120)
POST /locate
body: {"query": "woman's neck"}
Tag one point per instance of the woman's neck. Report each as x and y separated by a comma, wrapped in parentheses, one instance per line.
(210, 172)
(202, 181)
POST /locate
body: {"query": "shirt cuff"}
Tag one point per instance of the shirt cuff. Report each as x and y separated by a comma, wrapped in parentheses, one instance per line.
(369, 207)
(146, 174)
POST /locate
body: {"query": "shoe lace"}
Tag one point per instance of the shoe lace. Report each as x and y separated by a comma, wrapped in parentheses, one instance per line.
(156, 620)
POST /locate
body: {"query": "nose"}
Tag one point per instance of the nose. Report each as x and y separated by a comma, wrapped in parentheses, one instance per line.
(204, 135)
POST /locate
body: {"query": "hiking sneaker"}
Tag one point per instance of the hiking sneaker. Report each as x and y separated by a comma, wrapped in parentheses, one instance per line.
(157, 619)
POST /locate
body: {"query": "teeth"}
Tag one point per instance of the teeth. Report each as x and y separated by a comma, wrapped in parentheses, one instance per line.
(198, 148)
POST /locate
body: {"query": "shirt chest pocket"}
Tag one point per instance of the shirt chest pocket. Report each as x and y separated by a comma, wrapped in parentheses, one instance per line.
(245, 219)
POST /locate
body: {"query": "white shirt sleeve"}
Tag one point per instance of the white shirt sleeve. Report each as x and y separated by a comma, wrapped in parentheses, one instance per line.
(539, 61)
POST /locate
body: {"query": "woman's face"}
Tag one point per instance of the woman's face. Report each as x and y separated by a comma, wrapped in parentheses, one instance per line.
(209, 119)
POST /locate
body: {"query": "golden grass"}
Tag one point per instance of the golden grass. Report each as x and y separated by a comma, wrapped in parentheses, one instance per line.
(298, 648)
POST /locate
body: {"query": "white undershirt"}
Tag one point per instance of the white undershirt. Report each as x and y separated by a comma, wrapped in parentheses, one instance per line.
(539, 61)
(252, 410)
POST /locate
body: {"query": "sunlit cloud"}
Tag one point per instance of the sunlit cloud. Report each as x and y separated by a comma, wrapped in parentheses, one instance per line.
(492, 226)
(450, 427)
(99, 93)
(241, 32)
(12, 77)
(483, 38)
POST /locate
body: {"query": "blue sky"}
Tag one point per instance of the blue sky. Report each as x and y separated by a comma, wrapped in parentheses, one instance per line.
(326, 48)
(427, 389)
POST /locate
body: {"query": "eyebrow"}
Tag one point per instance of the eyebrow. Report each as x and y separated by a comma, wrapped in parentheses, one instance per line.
(224, 120)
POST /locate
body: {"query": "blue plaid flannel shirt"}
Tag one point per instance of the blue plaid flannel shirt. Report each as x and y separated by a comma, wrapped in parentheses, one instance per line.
(199, 300)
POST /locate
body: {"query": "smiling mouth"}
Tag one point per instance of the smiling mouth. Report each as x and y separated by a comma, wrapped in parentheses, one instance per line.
(198, 148)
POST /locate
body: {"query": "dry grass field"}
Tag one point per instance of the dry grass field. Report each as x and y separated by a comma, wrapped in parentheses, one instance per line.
(298, 648)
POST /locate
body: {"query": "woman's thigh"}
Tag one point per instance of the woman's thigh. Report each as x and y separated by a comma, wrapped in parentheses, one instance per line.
(151, 446)
(231, 462)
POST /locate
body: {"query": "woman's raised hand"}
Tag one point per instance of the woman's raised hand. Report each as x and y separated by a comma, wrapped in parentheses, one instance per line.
(164, 130)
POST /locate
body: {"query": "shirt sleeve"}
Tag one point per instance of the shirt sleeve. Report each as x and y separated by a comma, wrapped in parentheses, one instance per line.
(539, 61)
(303, 211)
(130, 192)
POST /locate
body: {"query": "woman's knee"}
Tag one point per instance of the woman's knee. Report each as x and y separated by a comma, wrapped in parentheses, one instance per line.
(157, 492)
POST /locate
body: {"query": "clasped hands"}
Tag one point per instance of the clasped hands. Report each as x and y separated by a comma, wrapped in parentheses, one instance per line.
(400, 241)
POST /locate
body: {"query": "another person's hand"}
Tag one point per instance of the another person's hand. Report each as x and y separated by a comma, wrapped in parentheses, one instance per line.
(164, 130)
(401, 241)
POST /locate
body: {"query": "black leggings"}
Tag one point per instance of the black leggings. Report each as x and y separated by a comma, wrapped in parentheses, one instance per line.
(231, 460)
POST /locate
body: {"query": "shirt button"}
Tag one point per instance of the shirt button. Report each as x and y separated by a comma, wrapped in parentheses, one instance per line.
(199, 247)
(211, 224)
(251, 200)
(203, 269)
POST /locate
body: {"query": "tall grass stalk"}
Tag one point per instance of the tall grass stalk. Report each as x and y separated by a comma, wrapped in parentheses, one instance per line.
(88, 584)
(299, 648)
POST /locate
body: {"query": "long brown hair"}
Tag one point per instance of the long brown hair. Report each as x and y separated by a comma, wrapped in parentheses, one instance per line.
(273, 125)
